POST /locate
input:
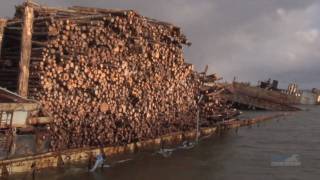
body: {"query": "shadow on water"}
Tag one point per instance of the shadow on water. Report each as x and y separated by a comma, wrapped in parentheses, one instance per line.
(244, 153)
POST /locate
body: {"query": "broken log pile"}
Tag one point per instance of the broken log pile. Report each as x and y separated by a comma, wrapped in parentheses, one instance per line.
(107, 77)
(213, 107)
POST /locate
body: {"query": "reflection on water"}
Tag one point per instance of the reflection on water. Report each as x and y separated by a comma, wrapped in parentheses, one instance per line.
(243, 154)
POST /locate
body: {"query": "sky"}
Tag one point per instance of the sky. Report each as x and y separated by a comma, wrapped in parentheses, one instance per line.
(249, 39)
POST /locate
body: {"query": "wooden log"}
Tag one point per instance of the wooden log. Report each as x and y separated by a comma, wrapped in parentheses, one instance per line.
(26, 45)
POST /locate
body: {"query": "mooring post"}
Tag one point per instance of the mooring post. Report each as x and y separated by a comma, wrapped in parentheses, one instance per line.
(198, 119)
(25, 52)
(33, 170)
(13, 145)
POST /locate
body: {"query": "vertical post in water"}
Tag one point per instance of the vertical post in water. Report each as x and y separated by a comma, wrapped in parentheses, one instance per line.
(25, 54)
(198, 118)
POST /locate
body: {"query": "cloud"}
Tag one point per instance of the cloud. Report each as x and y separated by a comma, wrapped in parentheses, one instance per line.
(253, 40)
(310, 36)
(279, 42)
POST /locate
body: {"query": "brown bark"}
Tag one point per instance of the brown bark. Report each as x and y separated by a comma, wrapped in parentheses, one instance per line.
(26, 44)
(110, 77)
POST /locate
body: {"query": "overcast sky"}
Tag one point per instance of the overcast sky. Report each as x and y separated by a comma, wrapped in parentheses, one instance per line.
(251, 39)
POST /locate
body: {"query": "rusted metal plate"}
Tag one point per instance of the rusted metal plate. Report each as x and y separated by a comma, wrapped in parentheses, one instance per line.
(189, 135)
(149, 144)
(18, 165)
(172, 139)
(208, 131)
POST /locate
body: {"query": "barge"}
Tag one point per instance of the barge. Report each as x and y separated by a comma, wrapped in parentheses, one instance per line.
(59, 159)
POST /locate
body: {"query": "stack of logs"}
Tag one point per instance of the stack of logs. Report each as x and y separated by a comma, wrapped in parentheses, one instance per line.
(107, 77)
(213, 107)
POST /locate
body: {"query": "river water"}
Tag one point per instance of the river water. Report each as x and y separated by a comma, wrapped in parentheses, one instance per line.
(246, 153)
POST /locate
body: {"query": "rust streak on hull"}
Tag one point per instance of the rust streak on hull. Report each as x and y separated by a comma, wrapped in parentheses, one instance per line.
(52, 160)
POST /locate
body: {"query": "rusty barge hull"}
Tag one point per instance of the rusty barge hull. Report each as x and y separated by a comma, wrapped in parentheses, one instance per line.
(250, 96)
(58, 159)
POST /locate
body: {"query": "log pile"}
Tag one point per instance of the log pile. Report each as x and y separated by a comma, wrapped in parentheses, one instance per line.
(214, 108)
(107, 77)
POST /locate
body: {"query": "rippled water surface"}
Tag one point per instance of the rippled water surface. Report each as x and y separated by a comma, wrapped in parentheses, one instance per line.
(246, 153)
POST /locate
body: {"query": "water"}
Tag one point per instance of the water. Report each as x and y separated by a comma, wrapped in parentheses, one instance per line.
(246, 153)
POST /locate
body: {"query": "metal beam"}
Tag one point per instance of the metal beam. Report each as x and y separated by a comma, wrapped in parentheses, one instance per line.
(39, 120)
(19, 106)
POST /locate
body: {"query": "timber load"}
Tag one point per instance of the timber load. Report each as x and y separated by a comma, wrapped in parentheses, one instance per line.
(106, 77)
(214, 108)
